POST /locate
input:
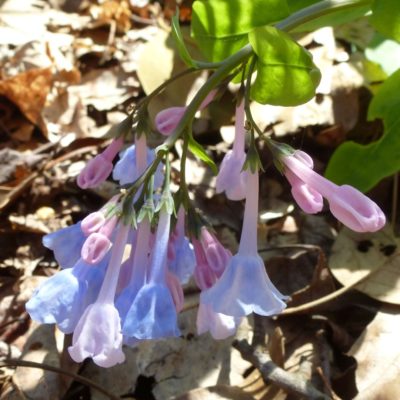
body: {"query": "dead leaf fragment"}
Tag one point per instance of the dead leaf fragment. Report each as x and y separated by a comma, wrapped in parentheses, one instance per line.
(372, 258)
(378, 359)
(28, 91)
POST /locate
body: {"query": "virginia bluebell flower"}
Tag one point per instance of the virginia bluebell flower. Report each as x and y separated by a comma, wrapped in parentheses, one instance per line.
(66, 244)
(153, 313)
(211, 261)
(126, 171)
(62, 298)
(98, 332)
(231, 178)
(245, 287)
(181, 258)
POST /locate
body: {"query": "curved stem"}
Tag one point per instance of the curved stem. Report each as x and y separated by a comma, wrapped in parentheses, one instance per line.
(318, 10)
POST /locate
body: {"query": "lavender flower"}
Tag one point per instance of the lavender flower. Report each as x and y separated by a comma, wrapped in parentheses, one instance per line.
(126, 170)
(231, 179)
(98, 332)
(245, 287)
(66, 244)
(181, 258)
(62, 298)
(153, 314)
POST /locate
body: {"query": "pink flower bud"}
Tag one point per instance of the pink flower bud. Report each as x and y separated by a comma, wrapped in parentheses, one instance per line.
(216, 255)
(203, 274)
(167, 120)
(347, 204)
(92, 222)
(99, 168)
(95, 248)
(356, 210)
(175, 288)
(95, 172)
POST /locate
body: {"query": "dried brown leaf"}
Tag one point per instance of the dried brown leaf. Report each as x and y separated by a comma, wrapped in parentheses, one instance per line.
(372, 258)
(378, 358)
(28, 91)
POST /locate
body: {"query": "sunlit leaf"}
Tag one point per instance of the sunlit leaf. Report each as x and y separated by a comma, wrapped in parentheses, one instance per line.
(363, 166)
(221, 26)
(198, 150)
(286, 74)
(386, 17)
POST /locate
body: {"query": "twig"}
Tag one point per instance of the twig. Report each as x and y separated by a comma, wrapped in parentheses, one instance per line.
(287, 381)
(46, 367)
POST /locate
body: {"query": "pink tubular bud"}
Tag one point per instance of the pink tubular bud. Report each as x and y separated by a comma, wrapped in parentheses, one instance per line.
(347, 204)
(92, 223)
(167, 120)
(95, 248)
(175, 288)
(95, 172)
(356, 210)
(99, 168)
(216, 255)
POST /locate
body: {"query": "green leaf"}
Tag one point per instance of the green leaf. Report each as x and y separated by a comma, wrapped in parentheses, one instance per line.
(198, 150)
(221, 26)
(180, 43)
(286, 74)
(386, 17)
(364, 166)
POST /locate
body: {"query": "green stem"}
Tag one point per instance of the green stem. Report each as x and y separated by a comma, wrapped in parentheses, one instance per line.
(318, 10)
(183, 186)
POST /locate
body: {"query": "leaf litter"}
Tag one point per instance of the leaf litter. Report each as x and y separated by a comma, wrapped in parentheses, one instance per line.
(70, 70)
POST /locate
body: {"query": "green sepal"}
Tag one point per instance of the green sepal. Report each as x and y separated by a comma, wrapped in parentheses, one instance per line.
(198, 150)
(146, 211)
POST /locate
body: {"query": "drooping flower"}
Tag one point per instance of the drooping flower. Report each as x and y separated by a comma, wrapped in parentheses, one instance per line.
(66, 244)
(98, 169)
(181, 258)
(126, 170)
(346, 203)
(211, 260)
(62, 298)
(231, 178)
(152, 314)
(245, 287)
(98, 332)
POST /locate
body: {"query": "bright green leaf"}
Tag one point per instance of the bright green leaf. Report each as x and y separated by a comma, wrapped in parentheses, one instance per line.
(220, 26)
(198, 150)
(286, 74)
(386, 17)
(364, 166)
(180, 43)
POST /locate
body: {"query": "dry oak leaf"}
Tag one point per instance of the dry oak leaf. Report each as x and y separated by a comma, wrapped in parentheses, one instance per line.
(372, 259)
(378, 358)
(29, 91)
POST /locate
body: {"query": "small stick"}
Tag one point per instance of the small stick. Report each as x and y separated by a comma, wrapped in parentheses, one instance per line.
(287, 381)
(46, 367)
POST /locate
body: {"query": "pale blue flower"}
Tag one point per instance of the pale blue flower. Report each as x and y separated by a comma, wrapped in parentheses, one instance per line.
(66, 244)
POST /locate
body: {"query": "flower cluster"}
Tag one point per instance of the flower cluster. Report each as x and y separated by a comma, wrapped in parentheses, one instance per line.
(123, 266)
